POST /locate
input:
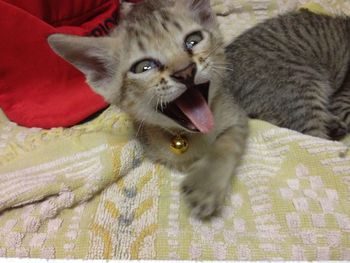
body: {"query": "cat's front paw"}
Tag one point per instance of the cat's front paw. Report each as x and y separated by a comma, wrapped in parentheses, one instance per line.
(203, 196)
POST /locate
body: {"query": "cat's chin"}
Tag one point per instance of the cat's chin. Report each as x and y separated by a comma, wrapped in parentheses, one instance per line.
(191, 110)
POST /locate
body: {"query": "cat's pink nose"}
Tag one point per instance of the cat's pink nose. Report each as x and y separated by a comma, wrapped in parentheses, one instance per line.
(186, 75)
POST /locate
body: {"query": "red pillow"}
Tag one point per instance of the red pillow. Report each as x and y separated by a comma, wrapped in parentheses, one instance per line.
(38, 88)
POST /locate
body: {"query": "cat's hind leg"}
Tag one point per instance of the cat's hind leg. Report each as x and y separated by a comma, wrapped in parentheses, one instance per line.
(319, 120)
(297, 104)
(340, 105)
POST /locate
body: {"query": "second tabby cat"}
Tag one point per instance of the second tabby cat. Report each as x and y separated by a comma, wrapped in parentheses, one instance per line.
(293, 71)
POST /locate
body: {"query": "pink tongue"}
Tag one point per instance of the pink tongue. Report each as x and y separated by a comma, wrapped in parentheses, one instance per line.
(194, 106)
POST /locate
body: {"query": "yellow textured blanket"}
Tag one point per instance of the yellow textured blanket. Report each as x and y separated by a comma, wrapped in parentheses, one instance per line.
(87, 192)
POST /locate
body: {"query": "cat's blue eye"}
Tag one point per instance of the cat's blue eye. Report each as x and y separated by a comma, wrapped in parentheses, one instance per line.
(193, 39)
(144, 65)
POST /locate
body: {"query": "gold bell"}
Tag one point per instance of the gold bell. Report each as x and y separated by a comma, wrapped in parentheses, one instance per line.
(179, 144)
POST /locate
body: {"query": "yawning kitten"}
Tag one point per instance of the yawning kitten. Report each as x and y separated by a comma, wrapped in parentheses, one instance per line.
(165, 66)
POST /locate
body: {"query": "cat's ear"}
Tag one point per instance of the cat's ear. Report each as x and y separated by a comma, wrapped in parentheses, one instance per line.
(92, 56)
(202, 11)
(127, 7)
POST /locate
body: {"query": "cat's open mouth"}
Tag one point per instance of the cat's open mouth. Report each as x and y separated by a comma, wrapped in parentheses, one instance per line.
(191, 109)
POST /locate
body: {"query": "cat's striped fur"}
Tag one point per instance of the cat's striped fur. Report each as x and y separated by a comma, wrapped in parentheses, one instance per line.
(291, 70)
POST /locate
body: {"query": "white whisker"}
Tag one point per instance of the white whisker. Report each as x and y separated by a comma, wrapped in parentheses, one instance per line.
(225, 68)
(150, 100)
(217, 73)
(140, 127)
(212, 51)
(157, 105)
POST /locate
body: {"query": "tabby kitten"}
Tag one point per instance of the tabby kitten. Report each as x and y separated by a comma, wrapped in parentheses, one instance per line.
(293, 71)
(164, 65)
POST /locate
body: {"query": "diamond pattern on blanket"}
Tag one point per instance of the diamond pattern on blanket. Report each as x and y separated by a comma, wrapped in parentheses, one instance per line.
(285, 201)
